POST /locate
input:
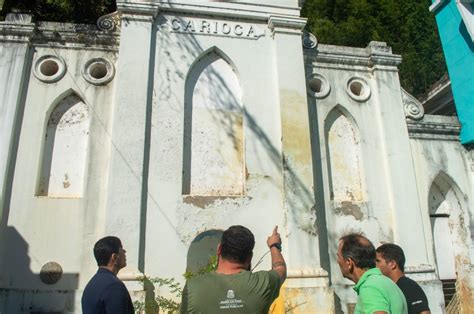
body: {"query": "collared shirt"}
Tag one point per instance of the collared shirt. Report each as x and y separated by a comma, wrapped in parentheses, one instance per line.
(378, 293)
(105, 293)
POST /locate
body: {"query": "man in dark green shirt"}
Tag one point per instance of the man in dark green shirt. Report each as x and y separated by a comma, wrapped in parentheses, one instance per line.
(233, 288)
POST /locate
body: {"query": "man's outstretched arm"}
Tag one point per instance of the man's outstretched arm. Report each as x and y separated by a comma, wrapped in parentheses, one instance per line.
(278, 262)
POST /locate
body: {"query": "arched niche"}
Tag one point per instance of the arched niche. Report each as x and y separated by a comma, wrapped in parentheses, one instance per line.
(213, 154)
(344, 157)
(65, 149)
(450, 231)
(202, 249)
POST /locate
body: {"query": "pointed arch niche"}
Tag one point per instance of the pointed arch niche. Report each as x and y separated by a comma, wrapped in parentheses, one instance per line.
(213, 154)
(446, 213)
(65, 149)
(344, 157)
(449, 223)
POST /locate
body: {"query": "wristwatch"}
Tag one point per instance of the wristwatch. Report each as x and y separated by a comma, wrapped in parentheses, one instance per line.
(277, 245)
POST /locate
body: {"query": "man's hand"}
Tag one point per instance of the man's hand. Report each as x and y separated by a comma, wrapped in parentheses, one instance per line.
(274, 237)
(278, 262)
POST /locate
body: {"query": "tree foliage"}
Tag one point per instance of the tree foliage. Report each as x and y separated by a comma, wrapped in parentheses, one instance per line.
(75, 11)
(406, 25)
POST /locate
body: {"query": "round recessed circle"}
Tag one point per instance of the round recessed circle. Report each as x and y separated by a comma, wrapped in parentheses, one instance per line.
(318, 85)
(358, 89)
(49, 68)
(50, 273)
(98, 71)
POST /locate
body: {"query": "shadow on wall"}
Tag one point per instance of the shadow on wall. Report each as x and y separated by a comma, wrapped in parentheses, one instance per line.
(21, 290)
(202, 249)
(171, 75)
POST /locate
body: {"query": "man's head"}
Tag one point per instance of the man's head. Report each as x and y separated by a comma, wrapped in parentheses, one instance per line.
(109, 252)
(390, 258)
(237, 245)
(355, 252)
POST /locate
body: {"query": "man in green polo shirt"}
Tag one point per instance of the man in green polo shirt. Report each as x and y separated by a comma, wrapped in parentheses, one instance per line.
(233, 288)
(377, 293)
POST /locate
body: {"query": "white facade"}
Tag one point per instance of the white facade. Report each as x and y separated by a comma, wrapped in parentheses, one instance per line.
(177, 119)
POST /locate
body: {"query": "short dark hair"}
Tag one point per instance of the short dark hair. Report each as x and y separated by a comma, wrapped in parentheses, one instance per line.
(392, 252)
(359, 249)
(104, 248)
(237, 244)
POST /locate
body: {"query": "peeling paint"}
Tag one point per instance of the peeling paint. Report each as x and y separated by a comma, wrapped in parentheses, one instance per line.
(205, 201)
(349, 208)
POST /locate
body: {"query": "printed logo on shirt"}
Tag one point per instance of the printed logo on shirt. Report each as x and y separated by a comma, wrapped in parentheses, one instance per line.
(416, 302)
(231, 302)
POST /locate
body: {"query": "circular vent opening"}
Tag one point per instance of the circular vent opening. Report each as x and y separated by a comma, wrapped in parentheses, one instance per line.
(316, 84)
(49, 67)
(356, 88)
(98, 70)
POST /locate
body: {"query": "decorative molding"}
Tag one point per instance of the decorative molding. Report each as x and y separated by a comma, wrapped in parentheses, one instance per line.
(434, 128)
(109, 22)
(286, 25)
(75, 36)
(377, 56)
(309, 40)
(381, 54)
(17, 27)
(138, 8)
(307, 273)
(413, 108)
(420, 269)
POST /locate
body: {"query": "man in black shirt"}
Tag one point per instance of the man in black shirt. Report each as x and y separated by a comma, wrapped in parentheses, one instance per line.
(105, 293)
(390, 259)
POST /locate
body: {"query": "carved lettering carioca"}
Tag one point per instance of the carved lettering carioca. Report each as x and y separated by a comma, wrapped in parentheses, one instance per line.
(215, 27)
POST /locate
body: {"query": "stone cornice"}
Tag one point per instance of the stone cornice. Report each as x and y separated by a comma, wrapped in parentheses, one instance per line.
(18, 28)
(12, 32)
(435, 128)
(377, 55)
(285, 24)
(140, 8)
(307, 273)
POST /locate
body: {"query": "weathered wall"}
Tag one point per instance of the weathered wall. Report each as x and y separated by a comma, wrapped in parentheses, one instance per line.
(65, 113)
(312, 139)
(444, 181)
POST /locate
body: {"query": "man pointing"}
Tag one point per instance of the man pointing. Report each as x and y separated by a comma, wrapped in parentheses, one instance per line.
(233, 288)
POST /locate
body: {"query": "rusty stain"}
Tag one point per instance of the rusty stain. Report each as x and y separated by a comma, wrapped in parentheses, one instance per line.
(350, 209)
(295, 131)
(66, 182)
